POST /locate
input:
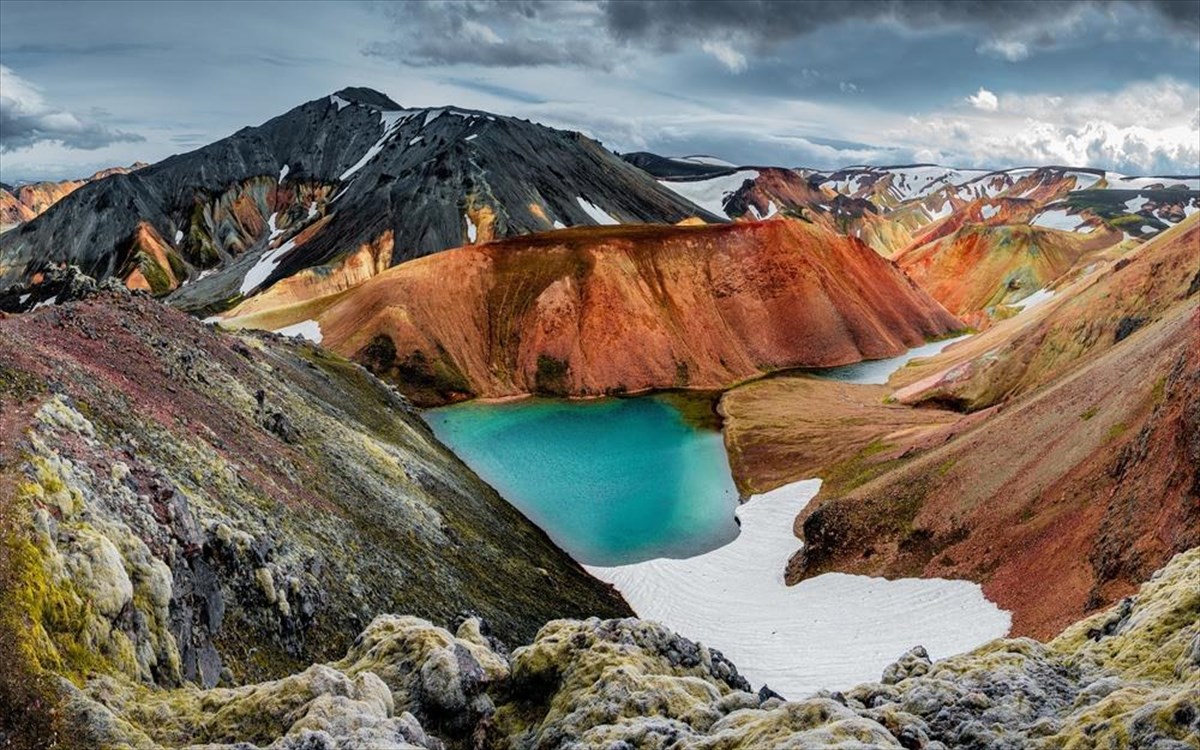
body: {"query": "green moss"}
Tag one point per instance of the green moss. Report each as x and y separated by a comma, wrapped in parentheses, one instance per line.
(156, 276)
(1089, 413)
(20, 385)
(698, 408)
(1158, 393)
(1116, 431)
(551, 375)
(945, 467)
(1127, 220)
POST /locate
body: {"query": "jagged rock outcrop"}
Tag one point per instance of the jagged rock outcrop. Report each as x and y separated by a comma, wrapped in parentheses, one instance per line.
(185, 506)
(1128, 677)
(314, 185)
(622, 309)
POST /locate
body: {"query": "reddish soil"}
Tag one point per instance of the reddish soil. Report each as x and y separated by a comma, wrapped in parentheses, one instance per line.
(599, 310)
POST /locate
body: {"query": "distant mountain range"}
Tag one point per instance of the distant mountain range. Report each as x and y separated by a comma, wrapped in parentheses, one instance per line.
(26, 201)
(345, 186)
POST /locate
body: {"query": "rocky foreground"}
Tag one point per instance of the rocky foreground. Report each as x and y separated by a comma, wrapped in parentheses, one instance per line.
(1129, 677)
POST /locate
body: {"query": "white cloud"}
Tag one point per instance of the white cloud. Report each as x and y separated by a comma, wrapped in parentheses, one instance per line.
(726, 54)
(27, 119)
(1009, 49)
(1146, 127)
(474, 31)
(848, 88)
(984, 100)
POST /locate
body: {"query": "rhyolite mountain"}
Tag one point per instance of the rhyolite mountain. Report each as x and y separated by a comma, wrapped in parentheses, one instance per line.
(623, 309)
(1061, 445)
(978, 241)
(332, 176)
(24, 202)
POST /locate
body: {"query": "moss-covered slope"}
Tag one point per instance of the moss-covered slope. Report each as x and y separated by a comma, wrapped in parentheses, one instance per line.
(182, 505)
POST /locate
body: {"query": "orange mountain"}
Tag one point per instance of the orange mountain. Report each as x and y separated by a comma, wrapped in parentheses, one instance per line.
(1080, 471)
(590, 311)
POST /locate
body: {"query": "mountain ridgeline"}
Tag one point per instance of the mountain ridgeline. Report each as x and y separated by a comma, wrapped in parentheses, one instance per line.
(323, 180)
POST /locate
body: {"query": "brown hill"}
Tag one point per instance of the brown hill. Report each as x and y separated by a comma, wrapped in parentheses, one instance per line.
(1092, 311)
(979, 267)
(623, 309)
(1077, 469)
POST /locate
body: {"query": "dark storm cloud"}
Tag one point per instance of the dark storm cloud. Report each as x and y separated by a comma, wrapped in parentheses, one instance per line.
(598, 33)
(493, 34)
(26, 119)
(1184, 14)
(771, 21)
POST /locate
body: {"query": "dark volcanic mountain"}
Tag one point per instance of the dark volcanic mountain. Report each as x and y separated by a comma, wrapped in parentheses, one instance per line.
(311, 187)
(677, 168)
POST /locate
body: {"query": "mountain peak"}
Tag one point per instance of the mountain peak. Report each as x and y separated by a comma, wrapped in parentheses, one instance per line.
(367, 96)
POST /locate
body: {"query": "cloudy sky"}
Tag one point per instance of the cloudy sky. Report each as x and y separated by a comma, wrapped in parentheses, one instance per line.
(818, 83)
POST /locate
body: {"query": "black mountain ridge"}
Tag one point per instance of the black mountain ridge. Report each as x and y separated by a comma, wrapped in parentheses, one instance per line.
(346, 170)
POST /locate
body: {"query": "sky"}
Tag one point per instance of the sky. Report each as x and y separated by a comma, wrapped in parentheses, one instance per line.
(817, 83)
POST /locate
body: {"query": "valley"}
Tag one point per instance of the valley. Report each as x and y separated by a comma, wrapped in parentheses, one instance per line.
(386, 426)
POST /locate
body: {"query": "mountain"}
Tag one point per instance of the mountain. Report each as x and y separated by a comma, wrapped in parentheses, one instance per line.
(316, 185)
(22, 203)
(184, 504)
(1075, 468)
(679, 167)
(591, 311)
(1093, 309)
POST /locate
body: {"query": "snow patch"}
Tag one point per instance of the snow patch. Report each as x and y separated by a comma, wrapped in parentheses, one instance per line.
(559, 225)
(830, 631)
(1118, 181)
(283, 173)
(1039, 297)
(471, 137)
(712, 193)
(471, 231)
(339, 101)
(710, 161)
(936, 214)
(264, 267)
(22, 299)
(1133, 205)
(598, 214)
(390, 121)
(1056, 218)
(415, 141)
(309, 329)
(432, 115)
(989, 211)
(271, 226)
(45, 303)
(772, 209)
(178, 236)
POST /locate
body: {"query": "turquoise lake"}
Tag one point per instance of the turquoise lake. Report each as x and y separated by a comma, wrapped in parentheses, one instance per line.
(612, 481)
